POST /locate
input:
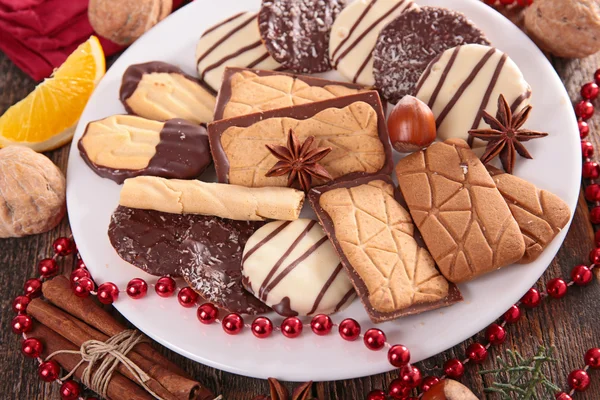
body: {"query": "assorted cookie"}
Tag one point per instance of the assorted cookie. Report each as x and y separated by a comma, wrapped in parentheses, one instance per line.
(124, 146)
(293, 268)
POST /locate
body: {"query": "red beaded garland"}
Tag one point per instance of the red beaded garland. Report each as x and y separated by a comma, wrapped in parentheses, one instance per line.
(207, 313)
(579, 380)
(398, 355)
(556, 288)
(376, 395)
(454, 368)
(321, 324)
(21, 324)
(83, 287)
(495, 334)
(374, 339)
(477, 353)
(187, 297)
(592, 193)
(590, 170)
(595, 215)
(33, 287)
(592, 358)
(590, 91)
(506, 2)
(108, 293)
(581, 275)
(63, 246)
(79, 273)
(165, 286)
(429, 382)
(80, 263)
(513, 314)
(398, 389)
(349, 329)
(597, 238)
(597, 76)
(233, 324)
(47, 267)
(20, 303)
(137, 288)
(584, 129)
(49, 371)
(70, 390)
(587, 149)
(262, 327)
(532, 298)
(525, 3)
(563, 396)
(595, 256)
(291, 327)
(584, 110)
(410, 376)
(32, 347)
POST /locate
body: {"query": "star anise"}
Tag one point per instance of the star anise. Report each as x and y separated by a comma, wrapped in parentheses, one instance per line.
(299, 161)
(279, 392)
(505, 135)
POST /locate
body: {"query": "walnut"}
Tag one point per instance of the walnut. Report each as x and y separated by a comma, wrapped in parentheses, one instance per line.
(123, 21)
(565, 28)
(32, 193)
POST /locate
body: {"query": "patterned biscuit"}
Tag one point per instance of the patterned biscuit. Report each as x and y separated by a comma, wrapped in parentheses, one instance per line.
(246, 91)
(541, 215)
(464, 219)
(377, 242)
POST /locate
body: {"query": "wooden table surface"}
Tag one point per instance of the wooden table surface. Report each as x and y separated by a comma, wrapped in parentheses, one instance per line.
(571, 324)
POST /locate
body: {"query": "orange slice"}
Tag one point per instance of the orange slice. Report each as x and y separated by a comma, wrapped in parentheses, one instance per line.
(46, 118)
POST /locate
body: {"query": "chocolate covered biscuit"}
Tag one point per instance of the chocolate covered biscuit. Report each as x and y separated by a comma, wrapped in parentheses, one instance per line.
(124, 146)
(246, 91)
(353, 126)
(464, 219)
(160, 91)
(374, 236)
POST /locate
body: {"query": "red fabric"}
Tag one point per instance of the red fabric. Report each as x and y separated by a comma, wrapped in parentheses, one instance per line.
(38, 35)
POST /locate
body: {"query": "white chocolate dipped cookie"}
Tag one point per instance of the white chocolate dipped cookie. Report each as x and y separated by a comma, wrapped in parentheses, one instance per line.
(354, 34)
(465, 80)
(293, 268)
(234, 42)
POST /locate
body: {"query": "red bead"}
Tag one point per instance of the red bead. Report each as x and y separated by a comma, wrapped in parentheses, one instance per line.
(291, 327)
(398, 389)
(137, 288)
(595, 215)
(80, 263)
(592, 192)
(262, 327)
(398, 355)
(495, 334)
(597, 76)
(584, 110)
(477, 352)
(429, 382)
(49, 371)
(524, 3)
(506, 2)
(592, 358)
(590, 91)
(47, 267)
(587, 149)
(33, 288)
(21, 324)
(321, 324)
(513, 314)
(376, 395)
(165, 286)
(70, 390)
(454, 368)
(489, 2)
(597, 238)
(207, 313)
(532, 298)
(579, 380)
(590, 170)
(556, 288)
(349, 329)
(79, 273)
(595, 256)
(187, 297)
(563, 396)
(32, 348)
(233, 324)
(374, 339)
(410, 376)
(108, 293)
(63, 246)
(83, 287)
(581, 275)
(20, 303)
(584, 129)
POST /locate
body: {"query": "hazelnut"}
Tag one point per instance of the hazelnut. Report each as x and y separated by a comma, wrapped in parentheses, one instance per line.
(411, 125)
(449, 390)
(123, 21)
(32, 193)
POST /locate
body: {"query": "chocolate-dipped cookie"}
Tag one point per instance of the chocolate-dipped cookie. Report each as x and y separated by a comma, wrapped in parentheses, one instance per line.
(124, 146)
(234, 42)
(205, 250)
(161, 91)
(292, 267)
(354, 34)
(408, 44)
(296, 32)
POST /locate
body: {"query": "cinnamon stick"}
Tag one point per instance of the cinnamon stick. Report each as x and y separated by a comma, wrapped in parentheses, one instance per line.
(165, 383)
(119, 387)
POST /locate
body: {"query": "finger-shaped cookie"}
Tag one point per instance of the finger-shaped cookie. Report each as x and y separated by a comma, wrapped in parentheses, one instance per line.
(125, 146)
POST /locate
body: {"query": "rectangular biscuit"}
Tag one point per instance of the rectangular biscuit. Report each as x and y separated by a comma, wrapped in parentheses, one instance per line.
(353, 126)
(246, 91)
(464, 219)
(391, 270)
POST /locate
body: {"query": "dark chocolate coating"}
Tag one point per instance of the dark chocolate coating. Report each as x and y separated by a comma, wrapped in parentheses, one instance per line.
(205, 250)
(301, 112)
(296, 32)
(315, 194)
(182, 153)
(407, 44)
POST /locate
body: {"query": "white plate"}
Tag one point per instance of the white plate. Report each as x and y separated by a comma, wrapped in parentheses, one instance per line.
(91, 200)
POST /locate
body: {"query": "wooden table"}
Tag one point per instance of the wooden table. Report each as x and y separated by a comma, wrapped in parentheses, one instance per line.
(571, 324)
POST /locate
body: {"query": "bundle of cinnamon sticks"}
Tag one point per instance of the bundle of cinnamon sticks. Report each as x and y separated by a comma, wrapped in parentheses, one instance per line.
(65, 321)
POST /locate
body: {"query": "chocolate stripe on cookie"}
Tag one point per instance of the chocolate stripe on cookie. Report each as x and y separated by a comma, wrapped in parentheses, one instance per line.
(334, 275)
(229, 57)
(265, 240)
(346, 297)
(440, 84)
(352, 29)
(520, 100)
(225, 37)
